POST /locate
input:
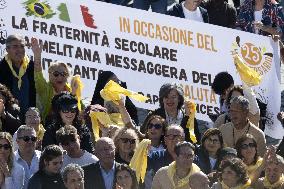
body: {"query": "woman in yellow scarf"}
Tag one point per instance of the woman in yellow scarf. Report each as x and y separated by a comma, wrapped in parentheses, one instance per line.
(233, 175)
(246, 147)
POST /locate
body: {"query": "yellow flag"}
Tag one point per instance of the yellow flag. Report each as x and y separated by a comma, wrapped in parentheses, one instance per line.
(77, 79)
(113, 91)
(247, 74)
(190, 122)
(139, 159)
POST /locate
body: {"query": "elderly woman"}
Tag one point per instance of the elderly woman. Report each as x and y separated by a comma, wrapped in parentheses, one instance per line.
(254, 112)
(126, 141)
(11, 173)
(48, 176)
(274, 170)
(156, 126)
(247, 151)
(9, 111)
(65, 106)
(73, 176)
(125, 178)
(207, 153)
(173, 109)
(233, 174)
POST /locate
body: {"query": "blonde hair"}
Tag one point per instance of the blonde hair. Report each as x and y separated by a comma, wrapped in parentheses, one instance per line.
(8, 137)
(57, 64)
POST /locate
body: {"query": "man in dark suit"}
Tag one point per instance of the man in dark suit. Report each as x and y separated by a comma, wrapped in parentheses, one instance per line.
(100, 175)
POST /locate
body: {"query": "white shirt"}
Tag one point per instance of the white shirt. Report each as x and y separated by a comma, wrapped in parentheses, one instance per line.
(258, 15)
(192, 15)
(85, 159)
(29, 170)
(16, 181)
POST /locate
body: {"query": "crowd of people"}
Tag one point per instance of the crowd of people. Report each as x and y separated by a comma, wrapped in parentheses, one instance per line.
(50, 139)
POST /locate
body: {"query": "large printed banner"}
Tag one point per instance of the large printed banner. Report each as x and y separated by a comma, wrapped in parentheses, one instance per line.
(144, 49)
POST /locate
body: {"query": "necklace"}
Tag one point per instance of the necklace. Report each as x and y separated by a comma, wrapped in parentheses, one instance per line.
(247, 130)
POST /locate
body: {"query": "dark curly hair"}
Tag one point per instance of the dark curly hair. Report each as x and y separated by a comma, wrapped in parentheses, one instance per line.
(211, 132)
(237, 88)
(9, 99)
(222, 81)
(124, 167)
(166, 89)
(49, 153)
(238, 167)
(239, 146)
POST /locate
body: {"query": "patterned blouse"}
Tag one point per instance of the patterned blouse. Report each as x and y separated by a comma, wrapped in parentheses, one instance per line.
(272, 15)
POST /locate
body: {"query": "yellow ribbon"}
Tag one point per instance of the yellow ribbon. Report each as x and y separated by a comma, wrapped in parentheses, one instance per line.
(184, 181)
(40, 132)
(247, 74)
(139, 159)
(190, 122)
(106, 120)
(252, 168)
(244, 186)
(267, 184)
(22, 71)
(78, 92)
(113, 91)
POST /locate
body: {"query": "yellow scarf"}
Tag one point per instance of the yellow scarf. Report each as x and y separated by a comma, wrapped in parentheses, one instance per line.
(105, 119)
(139, 159)
(40, 132)
(245, 186)
(252, 168)
(76, 78)
(184, 181)
(190, 121)
(267, 184)
(112, 92)
(22, 71)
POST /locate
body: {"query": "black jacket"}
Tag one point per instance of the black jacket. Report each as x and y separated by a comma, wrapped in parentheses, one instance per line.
(93, 176)
(177, 11)
(6, 78)
(42, 180)
(83, 131)
(11, 122)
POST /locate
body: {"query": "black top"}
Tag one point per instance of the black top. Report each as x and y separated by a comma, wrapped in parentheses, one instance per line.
(42, 180)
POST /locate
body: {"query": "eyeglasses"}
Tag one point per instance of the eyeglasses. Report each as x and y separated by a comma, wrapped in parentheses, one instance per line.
(172, 137)
(56, 74)
(28, 138)
(249, 145)
(67, 110)
(5, 146)
(214, 141)
(156, 126)
(126, 140)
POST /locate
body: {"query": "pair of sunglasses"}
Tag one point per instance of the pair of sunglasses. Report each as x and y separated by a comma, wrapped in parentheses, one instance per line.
(5, 146)
(126, 140)
(57, 74)
(156, 126)
(67, 110)
(249, 145)
(28, 138)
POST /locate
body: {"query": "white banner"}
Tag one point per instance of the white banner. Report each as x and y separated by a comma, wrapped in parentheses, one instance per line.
(145, 50)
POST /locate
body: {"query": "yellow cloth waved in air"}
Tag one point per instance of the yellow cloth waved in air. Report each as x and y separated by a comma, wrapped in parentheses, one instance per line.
(77, 80)
(22, 70)
(105, 119)
(112, 92)
(243, 186)
(184, 181)
(247, 74)
(190, 122)
(252, 168)
(40, 132)
(277, 184)
(139, 159)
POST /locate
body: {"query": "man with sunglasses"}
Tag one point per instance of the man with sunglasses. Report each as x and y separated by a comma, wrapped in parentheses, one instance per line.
(69, 139)
(27, 155)
(17, 71)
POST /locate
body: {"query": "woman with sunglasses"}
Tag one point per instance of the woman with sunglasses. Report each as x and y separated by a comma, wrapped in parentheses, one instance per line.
(10, 116)
(207, 153)
(125, 177)
(11, 174)
(58, 75)
(156, 126)
(48, 176)
(65, 106)
(126, 141)
(246, 147)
